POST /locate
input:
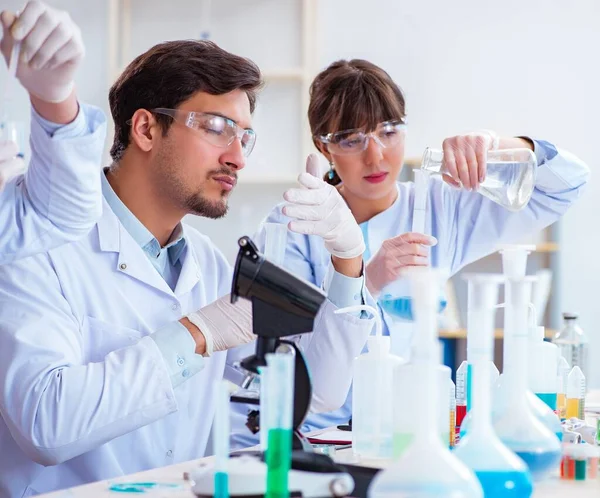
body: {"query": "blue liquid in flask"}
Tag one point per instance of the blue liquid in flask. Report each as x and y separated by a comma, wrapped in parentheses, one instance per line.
(401, 307)
(509, 484)
(541, 463)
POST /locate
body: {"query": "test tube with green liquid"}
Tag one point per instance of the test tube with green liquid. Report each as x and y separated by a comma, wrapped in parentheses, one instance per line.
(280, 392)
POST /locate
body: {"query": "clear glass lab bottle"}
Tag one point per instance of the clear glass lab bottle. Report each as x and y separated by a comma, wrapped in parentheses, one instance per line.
(510, 175)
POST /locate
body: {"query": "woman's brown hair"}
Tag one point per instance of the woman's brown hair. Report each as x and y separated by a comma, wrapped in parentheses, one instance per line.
(352, 94)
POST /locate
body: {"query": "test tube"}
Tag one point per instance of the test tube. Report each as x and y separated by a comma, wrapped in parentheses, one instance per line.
(263, 408)
(280, 400)
(576, 394)
(593, 458)
(275, 242)
(452, 394)
(222, 440)
(461, 398)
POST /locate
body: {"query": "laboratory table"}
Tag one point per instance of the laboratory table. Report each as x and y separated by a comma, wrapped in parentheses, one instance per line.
(174, 474)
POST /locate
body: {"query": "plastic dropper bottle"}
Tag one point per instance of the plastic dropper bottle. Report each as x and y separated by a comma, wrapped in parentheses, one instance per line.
(573, 342)
(500, 472)
(543, 370)
(516, 425)
(373, 394)
(427, 469)
(563, 374)
(576, 394)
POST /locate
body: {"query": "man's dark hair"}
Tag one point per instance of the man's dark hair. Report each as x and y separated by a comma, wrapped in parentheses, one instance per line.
(169, 74)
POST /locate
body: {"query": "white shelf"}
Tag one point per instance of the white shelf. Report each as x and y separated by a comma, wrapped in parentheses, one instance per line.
(262, 180)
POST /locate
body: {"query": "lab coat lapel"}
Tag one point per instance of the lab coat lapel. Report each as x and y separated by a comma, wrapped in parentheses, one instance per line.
(131, 261)
(190, 271)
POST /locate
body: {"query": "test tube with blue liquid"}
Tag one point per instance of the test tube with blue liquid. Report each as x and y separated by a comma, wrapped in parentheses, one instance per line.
(280, 392)
(222, 432)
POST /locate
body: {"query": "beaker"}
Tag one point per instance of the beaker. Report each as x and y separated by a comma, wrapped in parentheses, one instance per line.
(515, 422)
(510, 175)
(427, 468)
(500, 472)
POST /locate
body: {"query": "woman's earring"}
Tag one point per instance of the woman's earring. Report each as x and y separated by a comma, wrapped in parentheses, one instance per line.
(331, 172)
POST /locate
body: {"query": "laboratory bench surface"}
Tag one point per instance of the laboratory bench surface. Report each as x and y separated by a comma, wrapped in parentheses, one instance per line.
(174, 474)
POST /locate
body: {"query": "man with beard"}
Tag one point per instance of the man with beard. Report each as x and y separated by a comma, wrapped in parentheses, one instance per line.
(110, 347)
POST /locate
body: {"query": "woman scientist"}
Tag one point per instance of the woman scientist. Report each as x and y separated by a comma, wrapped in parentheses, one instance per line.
(357, 120)
(59, 198)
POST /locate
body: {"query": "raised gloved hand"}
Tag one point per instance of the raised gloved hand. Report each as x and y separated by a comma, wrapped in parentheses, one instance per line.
(395, 254)
(224, 325)
(319, 209)
(465, 158)
(10, 165)
(51, 49)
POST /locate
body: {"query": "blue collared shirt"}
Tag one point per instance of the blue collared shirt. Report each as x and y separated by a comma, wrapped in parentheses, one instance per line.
(166, 260)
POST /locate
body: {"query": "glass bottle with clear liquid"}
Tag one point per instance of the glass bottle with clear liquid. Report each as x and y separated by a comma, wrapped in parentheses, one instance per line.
(572, 343)
(510, 175)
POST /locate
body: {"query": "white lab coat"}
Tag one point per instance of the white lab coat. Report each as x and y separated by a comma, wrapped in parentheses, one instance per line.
(84, 393)
(467, 225)
(59, 198)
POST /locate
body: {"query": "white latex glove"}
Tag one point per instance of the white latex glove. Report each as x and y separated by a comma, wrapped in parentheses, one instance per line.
(395, 254)
(51, 49)
(224, 325)
(319, 209)
(10, 165)
(465, 158)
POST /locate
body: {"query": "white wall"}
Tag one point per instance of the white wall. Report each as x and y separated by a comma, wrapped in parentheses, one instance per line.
(515, 66)
(518, 67)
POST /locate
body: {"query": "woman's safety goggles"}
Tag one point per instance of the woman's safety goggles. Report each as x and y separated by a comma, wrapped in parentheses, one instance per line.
(347, 142)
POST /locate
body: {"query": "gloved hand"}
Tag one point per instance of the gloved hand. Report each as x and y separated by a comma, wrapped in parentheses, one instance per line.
(319, 209)
(224, 325)
(51, 49)
(465, 158)
(395, 254)
(10, 165)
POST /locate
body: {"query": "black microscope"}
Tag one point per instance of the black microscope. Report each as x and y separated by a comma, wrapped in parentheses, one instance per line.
(283, 305)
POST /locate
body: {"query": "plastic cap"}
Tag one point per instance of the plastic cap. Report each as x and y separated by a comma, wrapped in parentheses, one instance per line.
(378, 345)
(538, 333)
(570, 316)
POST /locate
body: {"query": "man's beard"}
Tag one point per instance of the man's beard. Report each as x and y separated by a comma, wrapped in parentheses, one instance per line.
(197, 204)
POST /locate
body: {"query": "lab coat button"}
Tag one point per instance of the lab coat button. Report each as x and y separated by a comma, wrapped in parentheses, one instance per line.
(180, 361)
(170, 453)
(123, 266)
(185, 373)
(175, 307)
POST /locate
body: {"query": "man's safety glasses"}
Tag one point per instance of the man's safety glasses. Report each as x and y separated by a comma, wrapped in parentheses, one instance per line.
(217, 130)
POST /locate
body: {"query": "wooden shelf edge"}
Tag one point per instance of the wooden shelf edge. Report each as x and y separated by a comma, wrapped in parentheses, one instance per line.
(498, 334)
